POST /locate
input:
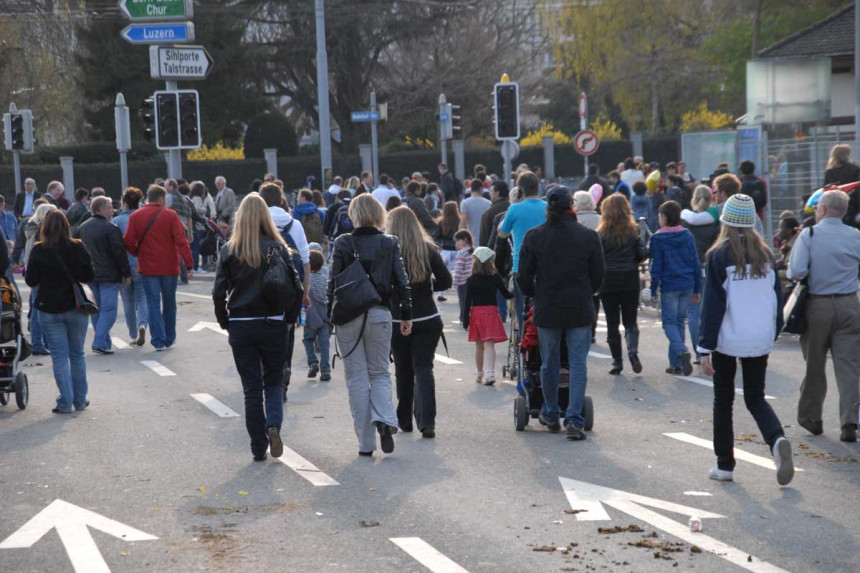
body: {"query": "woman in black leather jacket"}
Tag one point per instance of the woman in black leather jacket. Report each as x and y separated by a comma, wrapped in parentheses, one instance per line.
(368, 343)
(257, 332)
(623, 250)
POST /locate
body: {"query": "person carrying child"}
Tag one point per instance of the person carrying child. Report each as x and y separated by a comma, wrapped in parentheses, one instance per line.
(481, 311)
(317, 329)
(462, 268)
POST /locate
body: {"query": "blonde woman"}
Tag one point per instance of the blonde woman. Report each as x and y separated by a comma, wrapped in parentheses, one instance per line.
(352, 184)
(741, 318)
(413, 354)
(257, 332)
(841, 170)
(32, 233)
(366, 340)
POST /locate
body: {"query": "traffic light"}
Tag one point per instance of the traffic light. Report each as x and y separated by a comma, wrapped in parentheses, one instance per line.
(147, 114)
(16, 120)
(507, 105)
(189, 119)
(166, 120)
(18, 131)
(453, 122)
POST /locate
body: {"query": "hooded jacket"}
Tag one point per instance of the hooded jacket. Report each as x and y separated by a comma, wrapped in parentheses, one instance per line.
(674, 262)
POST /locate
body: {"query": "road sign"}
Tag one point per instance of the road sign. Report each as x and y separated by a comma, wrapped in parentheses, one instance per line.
(158, 33)
(510, 149)
(140, 10)
(589, 499)
(72, 523)
(441, 117)
(364, 116)
(586, 142)
(179, 62)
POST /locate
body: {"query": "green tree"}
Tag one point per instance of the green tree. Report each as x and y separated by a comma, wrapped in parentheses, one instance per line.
(270, 130)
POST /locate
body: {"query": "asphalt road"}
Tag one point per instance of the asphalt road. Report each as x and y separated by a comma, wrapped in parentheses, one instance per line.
(480, 497)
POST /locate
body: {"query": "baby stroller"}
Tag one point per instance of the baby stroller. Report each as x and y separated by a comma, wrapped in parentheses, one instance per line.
(530, 399)
(211, 244)
(511, 368)
(12, 380)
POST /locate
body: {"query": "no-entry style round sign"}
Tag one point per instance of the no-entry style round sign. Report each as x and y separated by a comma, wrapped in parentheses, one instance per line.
(586, 142)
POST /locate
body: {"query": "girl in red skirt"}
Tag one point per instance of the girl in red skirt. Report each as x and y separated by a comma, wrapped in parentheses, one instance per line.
(482, 318)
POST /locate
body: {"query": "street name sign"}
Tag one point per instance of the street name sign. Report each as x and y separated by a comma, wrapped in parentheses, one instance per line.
(364, 116)
(141, 10)
(179, 62)
(159, 33)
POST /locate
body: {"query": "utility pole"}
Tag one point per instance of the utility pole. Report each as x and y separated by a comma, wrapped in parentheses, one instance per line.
(16, 155)
(322, 96)
(374, 142)
(123, 137)
(856, 77)
(443, 144)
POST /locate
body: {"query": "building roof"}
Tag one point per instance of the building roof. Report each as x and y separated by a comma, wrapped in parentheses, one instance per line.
(833, 36)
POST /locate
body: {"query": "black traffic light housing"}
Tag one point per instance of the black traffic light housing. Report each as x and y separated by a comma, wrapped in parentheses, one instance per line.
(166, 120)
(147, 114)
(189, 119)
(17, 122)
(507, 104)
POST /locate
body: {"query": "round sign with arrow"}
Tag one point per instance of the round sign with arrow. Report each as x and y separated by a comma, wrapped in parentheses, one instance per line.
(586, 142)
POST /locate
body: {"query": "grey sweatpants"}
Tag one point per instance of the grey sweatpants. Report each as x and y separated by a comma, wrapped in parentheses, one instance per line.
(367, 378)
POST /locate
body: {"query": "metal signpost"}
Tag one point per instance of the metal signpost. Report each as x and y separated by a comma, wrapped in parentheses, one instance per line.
(123, 137)
(20, 137)
(506, 102)
(443, 117)
(179, 62)
(372, 116)
(583, 126)
(323, 94)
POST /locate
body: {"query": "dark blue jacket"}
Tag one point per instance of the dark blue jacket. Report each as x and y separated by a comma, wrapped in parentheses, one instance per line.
(674, 262)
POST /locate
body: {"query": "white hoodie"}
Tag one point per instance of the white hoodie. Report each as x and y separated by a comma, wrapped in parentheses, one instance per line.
(297, 232)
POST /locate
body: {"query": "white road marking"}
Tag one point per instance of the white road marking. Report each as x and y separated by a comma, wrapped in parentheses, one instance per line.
(203, 296)
(599, 329)
(119, 343)
(220, 408)
(446, 360)
(709, 384)
(72, 524)
(698, 493)
(213, 326)
(594, 354)
(601, 322)
(158, 368)
(584, 495)
(305, 469)
(427, 555)
(739, 454)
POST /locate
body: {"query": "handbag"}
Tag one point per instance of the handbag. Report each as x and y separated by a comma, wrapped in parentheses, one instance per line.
(83, 297)
(794, 309)
(354, 295)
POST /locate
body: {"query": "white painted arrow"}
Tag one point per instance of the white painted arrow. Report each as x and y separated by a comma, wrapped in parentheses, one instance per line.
(210, 325)
(71, 523)
(591, 498)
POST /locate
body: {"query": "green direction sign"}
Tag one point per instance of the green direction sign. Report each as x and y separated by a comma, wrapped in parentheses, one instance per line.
(141, 10)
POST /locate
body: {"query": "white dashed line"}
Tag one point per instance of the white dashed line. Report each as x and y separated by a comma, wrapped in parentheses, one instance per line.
(710, 384)
(446, 360)
(760, 461)
(305, 469)
(427, 555)
(191, 294)
(220, 408)
(119, 343)
(594, 354)
(158, 368)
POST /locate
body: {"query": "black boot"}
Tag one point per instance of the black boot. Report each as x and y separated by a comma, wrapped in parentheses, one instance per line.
(617, 367)
(632, 337)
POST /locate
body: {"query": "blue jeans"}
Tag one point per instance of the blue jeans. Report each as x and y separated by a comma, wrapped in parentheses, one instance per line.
(503, 306)
(161, 303)
(134, 304)
(40, 343)
(321, 334)
(66, 333)
(673, 309)
(195, 248)
(578, 342)
(693, 314)
(105, 295)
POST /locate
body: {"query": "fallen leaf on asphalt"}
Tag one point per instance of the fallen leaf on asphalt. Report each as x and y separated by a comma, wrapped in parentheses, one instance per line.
(749, 558)
(368, 523)
(660, 545)
(201, 489)
(574, 511)
(620, 529)
(124, 553)
(372, 489)
(547, 548)
(695, 549)
(243, 492)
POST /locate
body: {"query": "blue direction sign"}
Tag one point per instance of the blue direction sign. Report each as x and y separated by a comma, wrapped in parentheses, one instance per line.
(159, 33)
(364, 116)
(441, 117)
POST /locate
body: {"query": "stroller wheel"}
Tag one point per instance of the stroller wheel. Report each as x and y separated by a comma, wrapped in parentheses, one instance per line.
(505, 372)
(521, 413)
(22, 390)
(588, 413)
(4, 398)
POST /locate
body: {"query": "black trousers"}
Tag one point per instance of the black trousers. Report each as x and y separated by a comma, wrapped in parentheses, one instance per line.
(289, 346)
(259, 352)
(754, 370)
(413, 372)
(621, 307)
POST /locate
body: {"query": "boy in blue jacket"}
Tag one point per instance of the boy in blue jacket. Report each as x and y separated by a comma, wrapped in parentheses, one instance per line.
(676, 273)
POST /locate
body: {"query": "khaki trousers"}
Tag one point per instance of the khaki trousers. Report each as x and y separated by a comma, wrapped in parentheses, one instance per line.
(832, 324)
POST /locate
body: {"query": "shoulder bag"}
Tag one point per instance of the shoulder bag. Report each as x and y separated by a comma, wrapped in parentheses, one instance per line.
(83, 299)
(794, 309)
(354, 295)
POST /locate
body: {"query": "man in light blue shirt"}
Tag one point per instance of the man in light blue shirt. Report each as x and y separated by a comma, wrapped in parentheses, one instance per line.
(828, 256)
(519, 219)
(8, 222)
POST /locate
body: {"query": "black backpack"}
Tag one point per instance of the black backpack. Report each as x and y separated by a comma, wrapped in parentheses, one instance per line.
(342, 224)
(294, 251)
(280, 287)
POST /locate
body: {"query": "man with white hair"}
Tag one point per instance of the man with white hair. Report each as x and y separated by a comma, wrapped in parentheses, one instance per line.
(24, 201)
(56, 196)
(333, 190)
(225, 202)
(832, 313)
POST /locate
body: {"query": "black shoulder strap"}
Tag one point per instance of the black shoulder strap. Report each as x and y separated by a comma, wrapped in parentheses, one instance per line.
(148, 227)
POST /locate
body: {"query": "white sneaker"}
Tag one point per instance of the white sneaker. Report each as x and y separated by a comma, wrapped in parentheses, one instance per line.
(784, 462)
(720, 475)
(203, 272)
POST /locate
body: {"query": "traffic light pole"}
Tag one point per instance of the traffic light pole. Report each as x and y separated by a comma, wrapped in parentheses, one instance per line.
(323, 95)
(443, 144)
(174, 156)
(16, 158)
(374, 143)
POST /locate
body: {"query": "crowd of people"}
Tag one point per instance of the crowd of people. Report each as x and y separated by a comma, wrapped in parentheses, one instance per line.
(368, 259)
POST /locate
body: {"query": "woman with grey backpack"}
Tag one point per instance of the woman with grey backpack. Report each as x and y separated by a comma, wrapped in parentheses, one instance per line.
(366, 270)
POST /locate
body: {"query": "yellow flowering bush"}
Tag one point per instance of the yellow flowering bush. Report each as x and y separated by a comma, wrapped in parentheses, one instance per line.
(535, 137)
(606, 129)
(703, 119)
(218, 152)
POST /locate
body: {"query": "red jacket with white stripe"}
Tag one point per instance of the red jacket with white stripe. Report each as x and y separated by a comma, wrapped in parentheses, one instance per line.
(162, 246)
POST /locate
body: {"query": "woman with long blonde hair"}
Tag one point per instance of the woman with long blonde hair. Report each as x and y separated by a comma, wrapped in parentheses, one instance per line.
(257, 331)
(623, 251)
(32, 232)
(741, 318)
(413, 354)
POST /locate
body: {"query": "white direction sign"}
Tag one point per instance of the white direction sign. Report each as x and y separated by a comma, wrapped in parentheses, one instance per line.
(71, 523)
(210, 325)
(592, 498)
(179, 62)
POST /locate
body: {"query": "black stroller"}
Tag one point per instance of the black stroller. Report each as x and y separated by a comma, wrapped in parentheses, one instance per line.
(12, 380)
